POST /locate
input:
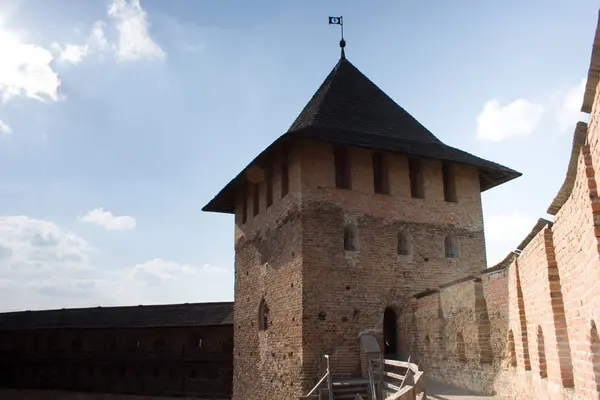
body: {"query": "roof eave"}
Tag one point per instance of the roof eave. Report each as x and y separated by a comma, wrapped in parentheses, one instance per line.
(221, 203)
(507, 177)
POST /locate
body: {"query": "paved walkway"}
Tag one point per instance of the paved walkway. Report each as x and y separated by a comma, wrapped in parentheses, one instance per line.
(443, 391)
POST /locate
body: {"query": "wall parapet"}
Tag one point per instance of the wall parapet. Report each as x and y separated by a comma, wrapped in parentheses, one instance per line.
(579, 139)
(460, 280)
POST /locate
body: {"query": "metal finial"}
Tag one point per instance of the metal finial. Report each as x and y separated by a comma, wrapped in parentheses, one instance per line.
(339, 21)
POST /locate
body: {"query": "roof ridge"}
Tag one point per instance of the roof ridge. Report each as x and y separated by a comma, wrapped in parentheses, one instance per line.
(112, 307)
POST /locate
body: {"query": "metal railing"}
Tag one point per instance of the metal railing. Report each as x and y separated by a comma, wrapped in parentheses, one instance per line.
(325, 378)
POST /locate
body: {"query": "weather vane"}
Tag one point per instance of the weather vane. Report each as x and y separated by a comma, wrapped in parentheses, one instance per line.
(339, 21)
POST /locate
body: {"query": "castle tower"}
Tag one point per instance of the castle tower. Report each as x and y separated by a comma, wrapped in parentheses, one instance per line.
(337, 223)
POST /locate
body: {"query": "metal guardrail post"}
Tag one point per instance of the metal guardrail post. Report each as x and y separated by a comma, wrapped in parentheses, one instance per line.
(329, 380)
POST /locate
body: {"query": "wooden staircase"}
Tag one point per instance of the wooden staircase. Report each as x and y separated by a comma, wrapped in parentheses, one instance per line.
(347, 389)
(332, 388)
(344, 389)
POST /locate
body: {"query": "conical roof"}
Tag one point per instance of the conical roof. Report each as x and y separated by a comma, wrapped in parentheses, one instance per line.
(348, 108)
(347, 100)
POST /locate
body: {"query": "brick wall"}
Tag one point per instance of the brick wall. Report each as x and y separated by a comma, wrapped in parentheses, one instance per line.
(539, 308)
(268, 256)
(320, 297)
(549, 345)
(347, 292)
(454, 327)
(576, 246)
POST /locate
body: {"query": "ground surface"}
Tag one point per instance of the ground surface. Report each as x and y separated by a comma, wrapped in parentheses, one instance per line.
(443, 391)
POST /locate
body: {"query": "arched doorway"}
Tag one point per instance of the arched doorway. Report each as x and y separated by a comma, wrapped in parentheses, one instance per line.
(390, 333)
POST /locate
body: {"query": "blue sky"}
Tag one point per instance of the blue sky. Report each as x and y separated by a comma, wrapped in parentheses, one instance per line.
(120, 119)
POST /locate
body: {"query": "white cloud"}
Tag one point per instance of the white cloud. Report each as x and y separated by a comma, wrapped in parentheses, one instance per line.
(30, 245)
(97, 39)
(569, 112)
(25, 69)
(134, 41)
(96, 43)
(157, 271)
(5, 128)
(504, 232)
(166, 281)
(109, 221)
(518, 118)
(45, 266)
(73, 53)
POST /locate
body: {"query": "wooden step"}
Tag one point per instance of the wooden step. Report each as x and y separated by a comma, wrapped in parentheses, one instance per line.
(348, 388)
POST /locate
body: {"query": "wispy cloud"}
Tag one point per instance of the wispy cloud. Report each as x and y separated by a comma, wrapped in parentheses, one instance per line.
(568, 112)
(496, 123)
(45, 266)
(31, 245)
(5, 128)
(134, 41)
(108, 221)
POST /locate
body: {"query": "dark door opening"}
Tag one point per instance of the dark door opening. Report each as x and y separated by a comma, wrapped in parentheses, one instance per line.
(390, 333)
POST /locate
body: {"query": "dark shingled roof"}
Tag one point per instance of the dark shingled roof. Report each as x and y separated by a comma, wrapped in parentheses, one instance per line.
(350, 109)
(152, 316)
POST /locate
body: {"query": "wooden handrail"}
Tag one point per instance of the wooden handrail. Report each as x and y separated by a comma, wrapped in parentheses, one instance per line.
(396, 381)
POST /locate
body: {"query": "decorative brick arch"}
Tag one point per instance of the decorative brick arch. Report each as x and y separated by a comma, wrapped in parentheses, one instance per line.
(427, 350)
(522, 320)
(351, 237)
(512, 352)
(451, 248)
(263, 315)
(595, 353)
(460, 348)
(390, 332)
(404, 243)
(541, 347)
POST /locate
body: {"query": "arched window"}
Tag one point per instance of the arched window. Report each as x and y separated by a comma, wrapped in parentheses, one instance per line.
(512, 352)
(541, 353)
(595, 350)
(350, 238)
(404, 244)
(460, 348)
(263, 316)
(451, 246)
(427, 348)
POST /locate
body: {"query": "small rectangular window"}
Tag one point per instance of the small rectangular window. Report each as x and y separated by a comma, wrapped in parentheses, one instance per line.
(449, 183)
(380, 174)
(255, 199)
(244, 206)
(415, 170)
(342, 170)
(269, 182)
(285, 170)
